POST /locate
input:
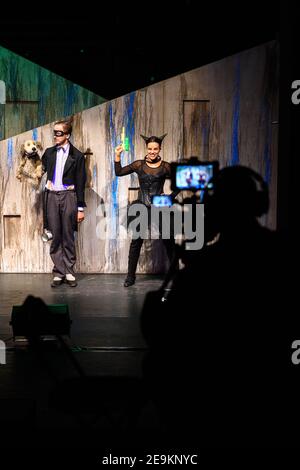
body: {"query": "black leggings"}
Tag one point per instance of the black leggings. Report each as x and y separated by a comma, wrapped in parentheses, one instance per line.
(135, 249)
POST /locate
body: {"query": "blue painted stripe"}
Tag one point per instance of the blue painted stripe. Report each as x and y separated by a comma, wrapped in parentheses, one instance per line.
(129, 121)
(235, 158)
(129, 124)
(9, 153)
(34, 134)
(114, 182)
(95, 173)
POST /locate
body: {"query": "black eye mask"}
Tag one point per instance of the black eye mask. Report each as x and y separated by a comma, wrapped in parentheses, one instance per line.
(59, 133)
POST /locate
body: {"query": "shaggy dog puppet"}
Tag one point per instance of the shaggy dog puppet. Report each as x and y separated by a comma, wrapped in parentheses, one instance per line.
(30, 167)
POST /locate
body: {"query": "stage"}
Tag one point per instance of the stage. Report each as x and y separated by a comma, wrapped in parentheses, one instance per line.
(105, 341)
(103, 312)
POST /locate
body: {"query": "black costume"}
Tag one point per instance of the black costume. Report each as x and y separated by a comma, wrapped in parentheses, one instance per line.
(151, 182)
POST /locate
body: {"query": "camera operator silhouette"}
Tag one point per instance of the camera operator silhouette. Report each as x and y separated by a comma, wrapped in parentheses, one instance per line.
(219, 366)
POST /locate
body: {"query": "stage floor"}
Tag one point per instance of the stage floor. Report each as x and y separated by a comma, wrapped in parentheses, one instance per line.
(103, 312)
(105, 341)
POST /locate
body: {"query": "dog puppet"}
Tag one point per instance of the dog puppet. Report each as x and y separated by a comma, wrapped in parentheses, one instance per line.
(30, 168)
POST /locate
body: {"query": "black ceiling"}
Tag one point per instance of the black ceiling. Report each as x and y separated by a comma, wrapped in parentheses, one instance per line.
(129, 45)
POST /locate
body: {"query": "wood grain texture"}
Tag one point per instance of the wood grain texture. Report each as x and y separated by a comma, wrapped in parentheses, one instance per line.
(35, 96)
(238, 124)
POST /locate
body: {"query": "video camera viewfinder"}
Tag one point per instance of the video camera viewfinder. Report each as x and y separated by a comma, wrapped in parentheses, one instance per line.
(193, 174)
(163, 200)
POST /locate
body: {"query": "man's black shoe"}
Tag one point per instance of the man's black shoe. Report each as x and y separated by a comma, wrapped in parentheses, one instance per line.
(57, 281)
(129, 281)
(71, 283)
(70, 280)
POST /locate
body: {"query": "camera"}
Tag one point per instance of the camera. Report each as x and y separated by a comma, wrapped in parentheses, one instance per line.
(193, 175)
(163, 200)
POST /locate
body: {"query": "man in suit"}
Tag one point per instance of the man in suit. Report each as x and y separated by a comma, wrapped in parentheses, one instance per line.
(66, 176)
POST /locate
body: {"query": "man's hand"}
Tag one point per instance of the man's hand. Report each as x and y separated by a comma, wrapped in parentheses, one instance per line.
(80, 216)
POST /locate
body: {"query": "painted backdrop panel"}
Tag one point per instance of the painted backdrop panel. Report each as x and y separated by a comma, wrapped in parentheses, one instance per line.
(237, 121)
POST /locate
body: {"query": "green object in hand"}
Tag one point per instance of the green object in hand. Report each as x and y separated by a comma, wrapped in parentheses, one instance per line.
(126, 144)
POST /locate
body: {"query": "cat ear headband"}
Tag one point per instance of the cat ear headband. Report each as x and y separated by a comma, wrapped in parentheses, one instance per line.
(153, 138)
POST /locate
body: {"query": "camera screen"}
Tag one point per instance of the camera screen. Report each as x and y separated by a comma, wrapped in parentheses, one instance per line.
(162, 201)
(194, 176)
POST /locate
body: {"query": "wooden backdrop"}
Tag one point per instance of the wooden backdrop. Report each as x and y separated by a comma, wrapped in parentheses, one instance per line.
(36, 96)
(227, 110)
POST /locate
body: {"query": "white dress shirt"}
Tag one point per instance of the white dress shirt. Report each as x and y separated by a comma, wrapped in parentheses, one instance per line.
(61, 158)
(57, 183)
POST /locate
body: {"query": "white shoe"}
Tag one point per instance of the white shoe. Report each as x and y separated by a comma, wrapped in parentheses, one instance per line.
(56, 278)
(70, 277)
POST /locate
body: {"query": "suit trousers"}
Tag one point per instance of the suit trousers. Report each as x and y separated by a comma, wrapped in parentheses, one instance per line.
(62, 222)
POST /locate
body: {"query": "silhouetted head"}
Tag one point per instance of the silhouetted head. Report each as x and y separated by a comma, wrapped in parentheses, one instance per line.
(34, 311)
(240, 196)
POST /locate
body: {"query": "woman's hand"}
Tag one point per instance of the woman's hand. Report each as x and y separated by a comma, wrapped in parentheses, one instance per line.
(119, 149)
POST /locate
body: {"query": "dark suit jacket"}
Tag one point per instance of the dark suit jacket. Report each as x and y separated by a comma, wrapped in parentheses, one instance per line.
(74, 170)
